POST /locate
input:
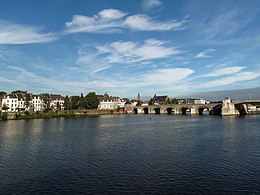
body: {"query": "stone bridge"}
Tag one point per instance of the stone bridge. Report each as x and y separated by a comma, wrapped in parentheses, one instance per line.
(236, 107)
(228, 107)
(174, 109)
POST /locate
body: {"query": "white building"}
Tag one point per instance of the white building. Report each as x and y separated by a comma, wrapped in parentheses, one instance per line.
(21, 102)
(57, 102)
(37, 103)
(10, 101)
(199, 101)
(110, 103)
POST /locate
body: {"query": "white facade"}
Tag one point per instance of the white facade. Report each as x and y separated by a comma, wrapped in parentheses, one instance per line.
(54, 103)
(106, 105)
(200, 101)
(111, 103)
(37, 103)
(11, 101)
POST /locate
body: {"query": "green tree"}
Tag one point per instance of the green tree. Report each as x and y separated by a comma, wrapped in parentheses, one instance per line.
(58, 106)
(2, 93)
(5, 107)
(28, 98)
(91, 100)
(151, 101)
(74, 100)
(19, 91)
(46, 99)
(174, 101)
(138, 103)
(67, 103)
(82, 102)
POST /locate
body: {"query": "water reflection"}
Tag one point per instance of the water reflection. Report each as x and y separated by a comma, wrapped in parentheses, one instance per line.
(130, 154)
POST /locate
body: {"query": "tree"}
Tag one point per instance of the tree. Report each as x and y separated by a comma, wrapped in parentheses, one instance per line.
(46, 99)
(91, 100)
(174, 101)
(28, 98)
(82, 102)
(67, 103)
(138, 103)
(58, 106)
(5, 107)
(74, 101)
(151, 101)
(19, 91)
(2, 93)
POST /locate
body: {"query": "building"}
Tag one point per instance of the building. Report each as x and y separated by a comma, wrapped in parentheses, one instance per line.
(199, 101)
(56, 102)
(21, 102)
(157, 100)
(37, 103)
(10, 102)
(107, 102)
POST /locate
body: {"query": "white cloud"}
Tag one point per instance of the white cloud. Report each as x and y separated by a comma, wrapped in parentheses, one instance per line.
(111, 14)
(112, 20)
(129, 52)
(204, 54)
(11, 33)
(150, 4)
(142, 22)
(243, 76)
(225, 71)
(167, 75)
(81, 23)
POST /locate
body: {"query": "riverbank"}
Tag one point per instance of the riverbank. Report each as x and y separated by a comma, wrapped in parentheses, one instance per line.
(52, 114)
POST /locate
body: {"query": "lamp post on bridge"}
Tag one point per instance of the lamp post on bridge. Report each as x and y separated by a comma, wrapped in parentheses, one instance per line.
(250, 96)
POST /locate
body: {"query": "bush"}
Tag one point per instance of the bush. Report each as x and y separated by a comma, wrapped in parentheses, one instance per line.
(27, 113)
(4, 116)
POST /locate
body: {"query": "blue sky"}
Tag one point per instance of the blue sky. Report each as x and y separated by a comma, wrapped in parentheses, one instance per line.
(172, 47)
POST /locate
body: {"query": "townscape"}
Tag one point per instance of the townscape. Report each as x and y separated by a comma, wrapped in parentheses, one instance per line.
(20, 101)
(25, 105)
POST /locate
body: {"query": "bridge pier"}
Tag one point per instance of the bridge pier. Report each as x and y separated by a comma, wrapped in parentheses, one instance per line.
(177, 111)
(194, 111)
(228, 108)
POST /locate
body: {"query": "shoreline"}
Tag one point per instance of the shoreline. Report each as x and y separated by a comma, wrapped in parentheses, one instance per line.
(4, 116)
(54, 114)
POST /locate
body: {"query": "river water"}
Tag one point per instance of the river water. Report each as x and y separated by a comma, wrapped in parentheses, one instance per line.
(135, 154)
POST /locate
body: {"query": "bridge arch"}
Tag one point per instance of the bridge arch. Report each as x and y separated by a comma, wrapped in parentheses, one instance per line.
(184, 110)
(202, 109)
(157, 110)
(146, 110)
(135, 111)
(169, 110)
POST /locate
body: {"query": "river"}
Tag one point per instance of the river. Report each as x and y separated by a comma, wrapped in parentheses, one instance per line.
(134, 154)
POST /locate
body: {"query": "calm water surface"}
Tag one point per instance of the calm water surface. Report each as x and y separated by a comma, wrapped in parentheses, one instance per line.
(136, 154)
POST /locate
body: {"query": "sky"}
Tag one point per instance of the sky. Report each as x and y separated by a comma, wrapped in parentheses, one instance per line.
(170, 47)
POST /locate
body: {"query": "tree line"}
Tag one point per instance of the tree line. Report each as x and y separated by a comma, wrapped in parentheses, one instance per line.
(90, 101)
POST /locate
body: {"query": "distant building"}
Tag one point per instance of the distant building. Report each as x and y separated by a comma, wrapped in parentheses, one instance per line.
(191, 101)
(10, 101)
(107, 102)
(157, 100)
(37, 103)
(199, 101)
(56, 102)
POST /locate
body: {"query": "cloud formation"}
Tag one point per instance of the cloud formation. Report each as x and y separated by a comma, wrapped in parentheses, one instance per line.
(243, 76)
(225, 71)
(167, 75)
(130, 52)
(204, 54)
(150, 4)
(112, 20)
(11, 33)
